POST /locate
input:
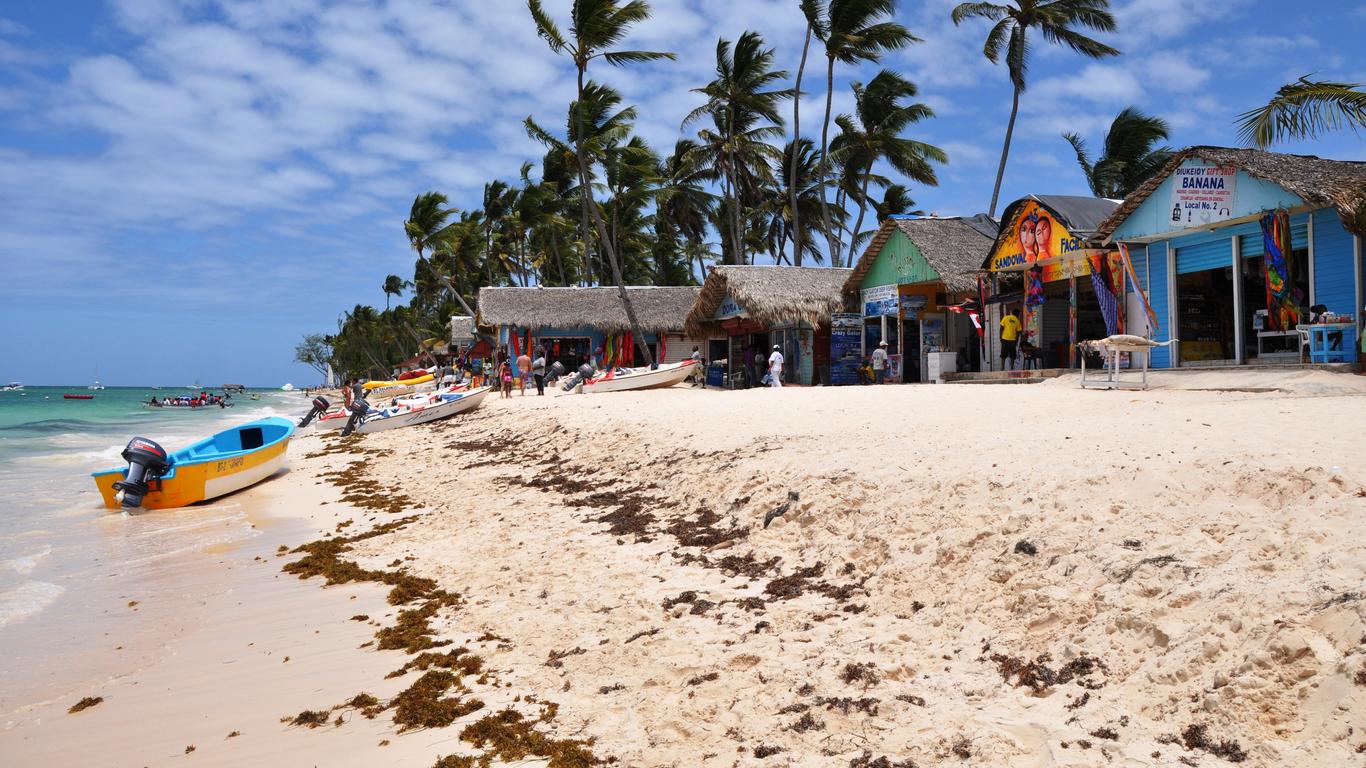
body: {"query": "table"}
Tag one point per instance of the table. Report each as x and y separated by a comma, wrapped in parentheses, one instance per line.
(1319, 342)
(1112, 379)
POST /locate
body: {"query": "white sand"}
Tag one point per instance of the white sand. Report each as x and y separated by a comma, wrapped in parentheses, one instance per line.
(1246, 506)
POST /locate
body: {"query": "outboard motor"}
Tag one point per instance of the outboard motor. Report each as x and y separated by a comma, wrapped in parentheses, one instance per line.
(584, 373)
(358, 410)
(147, 462)
(556, 371)
(320, 406)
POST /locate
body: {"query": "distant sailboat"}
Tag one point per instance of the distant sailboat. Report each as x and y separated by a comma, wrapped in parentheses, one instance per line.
(97, 385)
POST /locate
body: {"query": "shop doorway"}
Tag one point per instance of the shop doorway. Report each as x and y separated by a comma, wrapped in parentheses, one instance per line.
(1204, 321)
(570, 352)
(748, 359)
(1260, 340)
(910, 351)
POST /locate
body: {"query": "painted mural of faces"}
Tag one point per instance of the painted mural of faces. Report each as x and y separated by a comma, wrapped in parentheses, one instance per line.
(1028, 244)
(1043, 237)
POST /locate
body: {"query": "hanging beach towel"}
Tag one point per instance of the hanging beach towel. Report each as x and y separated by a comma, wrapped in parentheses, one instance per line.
(1283, 312)
(1109, 305)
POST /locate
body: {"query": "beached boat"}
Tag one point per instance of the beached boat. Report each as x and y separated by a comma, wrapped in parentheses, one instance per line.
(625, 379)
(229, 461)
(441, 405)
(78, 397)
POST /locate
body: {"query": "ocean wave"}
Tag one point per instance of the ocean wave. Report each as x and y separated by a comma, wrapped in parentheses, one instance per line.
(24, 564)
(27, 599)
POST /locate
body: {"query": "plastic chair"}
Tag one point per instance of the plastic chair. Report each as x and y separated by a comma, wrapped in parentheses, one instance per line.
(1303, 332)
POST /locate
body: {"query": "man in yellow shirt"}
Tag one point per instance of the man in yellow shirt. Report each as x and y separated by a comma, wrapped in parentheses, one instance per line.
(1010, 338)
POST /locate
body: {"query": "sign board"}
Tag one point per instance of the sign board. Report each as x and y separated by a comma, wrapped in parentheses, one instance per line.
(729, 308)
(879, 301)
(846, 330)
(912, 304)
(1035, 237)
(1202, 194)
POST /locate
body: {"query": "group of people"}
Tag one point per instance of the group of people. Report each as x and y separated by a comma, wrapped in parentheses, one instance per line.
(772, 375)
(197, 400)
(526, 367)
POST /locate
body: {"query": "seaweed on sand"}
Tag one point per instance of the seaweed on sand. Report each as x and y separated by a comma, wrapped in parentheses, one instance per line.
(425, 705)
(1196, 736)
(795, 583)
(866, 760)
(85, 703)
(1039, 677)
(865, 673)
(458, 660)
(508, 736)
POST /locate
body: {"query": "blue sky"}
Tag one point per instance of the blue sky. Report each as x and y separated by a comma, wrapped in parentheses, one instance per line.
(188, 186)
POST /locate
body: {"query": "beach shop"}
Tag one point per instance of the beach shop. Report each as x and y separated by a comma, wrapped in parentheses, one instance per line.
(755, 308)
(914, 272)
(577, 324)
(1235, 248)
(1047, 266)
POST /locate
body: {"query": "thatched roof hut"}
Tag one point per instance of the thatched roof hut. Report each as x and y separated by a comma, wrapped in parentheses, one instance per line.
(954, 246)
(461, 329)
(770, 295)
(1337, 184)
(658, 308)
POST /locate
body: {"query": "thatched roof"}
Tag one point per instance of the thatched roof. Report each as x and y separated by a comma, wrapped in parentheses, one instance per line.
(461, 329)
(658, 308)
(771, 295)
(1338, 184)
(953, 246)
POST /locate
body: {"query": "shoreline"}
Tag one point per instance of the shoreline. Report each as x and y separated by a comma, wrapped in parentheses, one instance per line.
(601, 565)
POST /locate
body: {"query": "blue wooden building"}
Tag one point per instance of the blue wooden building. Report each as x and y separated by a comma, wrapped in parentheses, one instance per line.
(1196, 234)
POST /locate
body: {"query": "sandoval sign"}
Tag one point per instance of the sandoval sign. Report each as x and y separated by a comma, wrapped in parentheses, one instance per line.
(1202, 194)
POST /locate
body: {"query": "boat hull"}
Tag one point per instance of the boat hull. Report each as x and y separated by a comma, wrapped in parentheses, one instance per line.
(642, 378)
(414, 416)
(205, 476)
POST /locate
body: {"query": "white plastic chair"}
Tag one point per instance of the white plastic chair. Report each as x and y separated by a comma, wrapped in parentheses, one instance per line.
(1303, 332)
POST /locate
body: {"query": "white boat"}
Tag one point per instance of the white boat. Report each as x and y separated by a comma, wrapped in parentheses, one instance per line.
(13, 386)
(626, 379)
(287, 387)
(407, 415)
(97, 385)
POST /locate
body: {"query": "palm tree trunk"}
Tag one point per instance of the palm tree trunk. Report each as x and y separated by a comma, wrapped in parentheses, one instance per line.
(555, 251)
(796, 136)
(825, 166)
(1005, 151)
(862, 209)
(606, 244)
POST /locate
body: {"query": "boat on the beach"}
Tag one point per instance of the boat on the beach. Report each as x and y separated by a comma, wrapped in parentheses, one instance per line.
(228, 461)
(77, 397)
(626, 379)
(439, 405)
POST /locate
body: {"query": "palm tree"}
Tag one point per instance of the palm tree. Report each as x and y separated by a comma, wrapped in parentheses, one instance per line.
(426, 227)
(595, 26)
(881, 119)
(853, 31)
(1303, 110)
(1129, 157)
(800, 223)
(812, 11)
(744, 108)
(394, 286)
(1056, 21)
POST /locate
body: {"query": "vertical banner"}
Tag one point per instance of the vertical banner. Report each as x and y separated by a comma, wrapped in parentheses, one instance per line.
(846, 333)
(1072, 322)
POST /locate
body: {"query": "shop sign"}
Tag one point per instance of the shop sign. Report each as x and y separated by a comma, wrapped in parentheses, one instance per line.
(880, 301)
(846, 332)
(1202, 194)
(729, 308)
(1035, 238)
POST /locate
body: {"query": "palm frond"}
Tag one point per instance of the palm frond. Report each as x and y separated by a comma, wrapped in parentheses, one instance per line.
(1304, 109)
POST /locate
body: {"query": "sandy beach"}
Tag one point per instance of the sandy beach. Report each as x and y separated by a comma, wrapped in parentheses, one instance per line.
(954, 575)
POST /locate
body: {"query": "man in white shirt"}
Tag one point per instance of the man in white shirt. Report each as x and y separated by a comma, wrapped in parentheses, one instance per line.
(880, 363)
(775, 368)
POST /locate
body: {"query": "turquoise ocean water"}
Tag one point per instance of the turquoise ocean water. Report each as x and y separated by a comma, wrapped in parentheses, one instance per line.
(64, 559)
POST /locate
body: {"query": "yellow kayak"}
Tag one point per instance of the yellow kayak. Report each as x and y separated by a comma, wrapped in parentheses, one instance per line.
(403, 383)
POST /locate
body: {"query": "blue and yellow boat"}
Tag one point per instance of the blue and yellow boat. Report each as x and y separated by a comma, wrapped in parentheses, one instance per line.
(229, 461)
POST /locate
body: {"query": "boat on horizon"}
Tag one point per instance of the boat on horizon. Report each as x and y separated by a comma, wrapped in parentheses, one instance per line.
(96, 386)
(215, 466)
(13, 386)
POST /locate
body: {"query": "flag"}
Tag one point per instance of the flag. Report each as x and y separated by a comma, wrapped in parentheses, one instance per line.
(1109, 306)
(1138, 287)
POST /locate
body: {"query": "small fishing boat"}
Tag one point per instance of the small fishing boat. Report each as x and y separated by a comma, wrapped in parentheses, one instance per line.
(13, 386)
(441, 405)
(229, 461)
(96, 386)
(626, 379)
(78, 397)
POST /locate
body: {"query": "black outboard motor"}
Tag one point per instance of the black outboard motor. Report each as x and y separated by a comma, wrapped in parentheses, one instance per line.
(556, 371)
(147, 462)
(358, 410)
(320, 406)
(584, 373)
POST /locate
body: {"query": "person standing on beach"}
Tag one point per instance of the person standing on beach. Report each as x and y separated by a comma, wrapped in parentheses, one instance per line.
(880, 363)
(1010, 338)
(775, 367)
(505, 378)
(698, 376)
(538, 370)
(523, 371)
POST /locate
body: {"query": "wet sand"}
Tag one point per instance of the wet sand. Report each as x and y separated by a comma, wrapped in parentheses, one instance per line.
(981, 575)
